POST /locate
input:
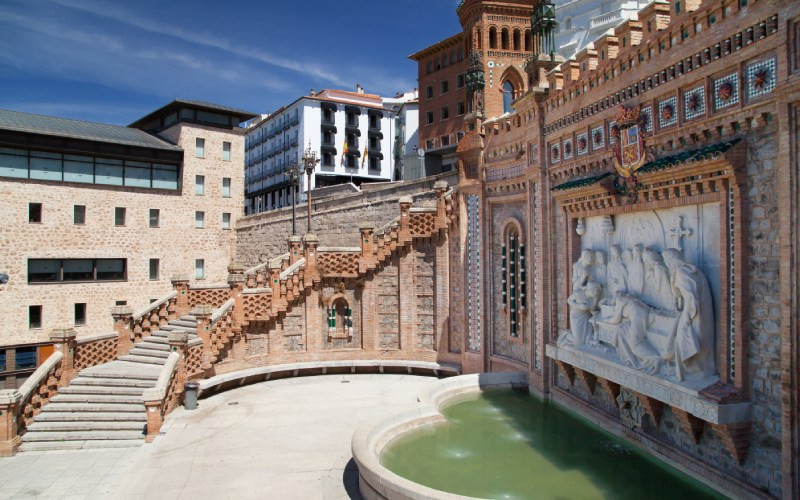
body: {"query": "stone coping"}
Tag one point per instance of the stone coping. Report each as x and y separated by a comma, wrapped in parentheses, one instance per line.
(289, 270)
(257, 290)
(195, 341)
(420, 210)
(209, 286)
(171, 295)
(683, 396)
(159, 392)
(9, 396)
(238, 378)
(378, 482)
(96, 338)
(340, 249)
(222, 310)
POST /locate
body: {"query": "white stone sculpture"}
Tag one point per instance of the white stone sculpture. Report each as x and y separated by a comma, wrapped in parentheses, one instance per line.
(581, 270)
(616, 274)
(600, 269)
(582, 307)
(629, 318)
(657, 290)
(636, 270)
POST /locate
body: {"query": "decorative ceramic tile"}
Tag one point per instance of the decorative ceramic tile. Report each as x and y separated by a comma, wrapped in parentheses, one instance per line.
(726, 91)
(567, 149)
(761, 77)
(598, 138)
(583, 144)
(555, 153)
(474, 313)
(534, 154)
(647, 118)
(611, 137)
(668, 112)
(694, 102)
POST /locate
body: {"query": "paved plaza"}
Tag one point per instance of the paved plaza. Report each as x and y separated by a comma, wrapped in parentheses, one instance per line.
(288, 438)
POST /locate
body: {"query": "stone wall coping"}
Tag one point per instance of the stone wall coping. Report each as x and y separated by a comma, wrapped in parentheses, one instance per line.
(340, 249)
(257, 290)
(195, 342)
(32, 382)
(222, 310)
(210, 286)
(96, 338)
(372, 436)
(159, 391)
(294, 267)
(150, 307)
(383, 228)
(278, 261)
(210, 385)
(255, 269)
(683, 396)
(418, 210)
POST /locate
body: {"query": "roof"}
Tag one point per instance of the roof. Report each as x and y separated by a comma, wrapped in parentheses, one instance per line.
(446, 43)
(206, 106)
(78, 129)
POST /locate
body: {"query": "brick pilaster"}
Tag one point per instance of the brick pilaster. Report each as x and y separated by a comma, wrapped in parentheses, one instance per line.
(64, 341)
(122, 325)
(181, 285)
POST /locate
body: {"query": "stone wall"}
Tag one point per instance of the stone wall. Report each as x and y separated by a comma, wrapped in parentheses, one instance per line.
(335, 219)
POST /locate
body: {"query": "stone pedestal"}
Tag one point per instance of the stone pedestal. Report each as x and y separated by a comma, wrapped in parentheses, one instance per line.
(64, 341)
(122, 325)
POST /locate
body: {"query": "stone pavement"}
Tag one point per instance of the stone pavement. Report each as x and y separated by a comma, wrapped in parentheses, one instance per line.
(287, 438)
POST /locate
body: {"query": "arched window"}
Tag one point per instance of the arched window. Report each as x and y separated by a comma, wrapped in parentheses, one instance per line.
(508, 97)
(528, 41)
(340, 319)
(513, 275)
(504, 39)
(517, 40)
(479, 38)
(492, 37)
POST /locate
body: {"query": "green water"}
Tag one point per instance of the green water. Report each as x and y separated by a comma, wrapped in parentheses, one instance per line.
(507, 444)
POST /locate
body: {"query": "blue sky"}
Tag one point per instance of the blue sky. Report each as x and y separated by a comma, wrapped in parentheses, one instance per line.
(114, 61)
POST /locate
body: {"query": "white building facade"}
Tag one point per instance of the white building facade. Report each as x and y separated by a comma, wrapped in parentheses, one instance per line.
(580, 22)
(405, 112)
(351, 132)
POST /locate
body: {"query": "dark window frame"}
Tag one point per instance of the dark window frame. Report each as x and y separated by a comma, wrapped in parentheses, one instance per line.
(34, 213)
(59, 275)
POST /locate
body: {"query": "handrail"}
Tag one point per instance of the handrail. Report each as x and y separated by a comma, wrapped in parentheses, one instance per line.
(159, 391)
(150, 307)
(340, 249)
(222, 311)
(382, 229)
(294, 267)
(36, 377)
(209, 286)
(277, 261)
(257, 290)
(254, 270)
(96, 338)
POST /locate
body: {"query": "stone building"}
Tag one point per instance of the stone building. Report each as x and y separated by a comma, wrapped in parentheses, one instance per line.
(99, 215)
(580, 22)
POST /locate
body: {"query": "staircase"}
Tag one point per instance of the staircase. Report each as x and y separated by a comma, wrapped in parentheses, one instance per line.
(102, 407)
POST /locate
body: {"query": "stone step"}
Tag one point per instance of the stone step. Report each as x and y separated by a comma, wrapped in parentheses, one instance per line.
(184, 324)
(81, 426)
(152, 353)
(172, 328)
(81, 436)
(189, 318)
(112, 383)
(143, 359)
(97, 398)
(79, 445)
(94, 408)
(152, 346)
(122, 369)
(102, 390)
(155, 340)
(94, 416)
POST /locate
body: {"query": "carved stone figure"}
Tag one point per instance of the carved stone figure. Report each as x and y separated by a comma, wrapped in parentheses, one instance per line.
(692, 344)
(636, 271)
(657, 289)
(582, 306)
(599, 269)
(582, 270)
(631, 317)
(617, 273)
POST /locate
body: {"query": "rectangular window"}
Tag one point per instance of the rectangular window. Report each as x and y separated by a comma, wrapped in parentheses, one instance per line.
(429, 92)
(25, 357)
(461, 108)
(14, 163)
(78, 270)
(445, 113)
(445, 140)
(154, 264)
(200, 147)
(34, 316)
(119, 216)
(108, 172)
(445, 86)
(226, 187)
(199, 184)
(111, 269)
(44, 270)
(199, 269)
(460, 81)
(35, 212)
(155, 217)
(199, 220)
(79, 169)
(429, 118)
(45, 166)
(226, 221)
(226, 151)
(80, 314)
(79, 214)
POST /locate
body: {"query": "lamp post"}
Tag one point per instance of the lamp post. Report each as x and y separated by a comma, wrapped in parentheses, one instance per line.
(310, 161)
(294, 181)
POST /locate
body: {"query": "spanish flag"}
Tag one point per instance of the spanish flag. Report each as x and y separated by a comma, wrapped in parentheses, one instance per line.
(364, 159)
(344, 152)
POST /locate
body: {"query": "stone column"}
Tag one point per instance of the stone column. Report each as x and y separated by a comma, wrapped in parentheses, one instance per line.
(181, 285)
(367, 260)
(9, 413)
(64, 341)
(295, 249)
(123, 316)
(203, 315)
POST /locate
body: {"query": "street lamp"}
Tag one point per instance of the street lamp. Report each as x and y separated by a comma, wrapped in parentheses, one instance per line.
(294, 180)
(310, 161)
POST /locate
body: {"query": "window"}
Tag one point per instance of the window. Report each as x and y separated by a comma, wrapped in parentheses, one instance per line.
(226, 187)
(517, 40)
(445, 113)
(461, 108)
(200, 148)
(34, 317)
(445, 140)
(327, 160)
(492, 37)
(25, 358)
(374, 163)
(460, 81)
(445, 86)
(154, 268)
(226, 220)
(155, 217)
(504, 39)
(119, 216)
(79, 214)
(80, 314)
(199, 220)
(429, 67)
(76, 270)
(429, 118)
(513, 279)
(429, 144)
(35, 212)
(226, 151)
(429, 92)
(199, 184)
(677, 7)
(508, 97)
(200, 269)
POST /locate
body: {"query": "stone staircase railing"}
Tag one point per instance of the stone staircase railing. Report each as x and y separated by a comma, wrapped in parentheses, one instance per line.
(161, 399)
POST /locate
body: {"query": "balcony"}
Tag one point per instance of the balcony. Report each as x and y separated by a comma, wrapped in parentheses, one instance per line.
(295, 120)
(607, 20)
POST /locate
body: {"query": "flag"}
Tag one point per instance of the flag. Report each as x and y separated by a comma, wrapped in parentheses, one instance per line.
(364, 159)
(344, 152)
